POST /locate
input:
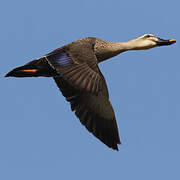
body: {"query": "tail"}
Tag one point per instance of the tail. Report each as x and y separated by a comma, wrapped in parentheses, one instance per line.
(34, 68)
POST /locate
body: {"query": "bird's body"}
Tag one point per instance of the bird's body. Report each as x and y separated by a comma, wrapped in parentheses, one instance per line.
(75, 70)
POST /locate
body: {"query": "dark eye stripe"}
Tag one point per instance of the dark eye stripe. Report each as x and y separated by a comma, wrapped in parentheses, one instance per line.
(149, 35)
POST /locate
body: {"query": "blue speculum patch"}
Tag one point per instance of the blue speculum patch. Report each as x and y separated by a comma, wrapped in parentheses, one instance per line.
(61, 59)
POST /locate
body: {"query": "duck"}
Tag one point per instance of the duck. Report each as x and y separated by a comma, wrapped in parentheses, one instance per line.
(74, 68)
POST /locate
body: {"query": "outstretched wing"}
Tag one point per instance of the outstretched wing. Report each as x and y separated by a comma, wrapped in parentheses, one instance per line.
(78, 66)
(95, 112)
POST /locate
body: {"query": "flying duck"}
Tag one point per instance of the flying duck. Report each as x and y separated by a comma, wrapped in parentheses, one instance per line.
(74, 67)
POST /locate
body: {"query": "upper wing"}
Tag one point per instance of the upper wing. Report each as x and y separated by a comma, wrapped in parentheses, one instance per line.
(78, 66)
(95, 112)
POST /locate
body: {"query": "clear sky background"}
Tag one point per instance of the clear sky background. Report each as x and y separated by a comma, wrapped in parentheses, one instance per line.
(40, 138)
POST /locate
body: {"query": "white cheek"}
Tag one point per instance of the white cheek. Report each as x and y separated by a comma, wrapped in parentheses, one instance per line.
(149, 44)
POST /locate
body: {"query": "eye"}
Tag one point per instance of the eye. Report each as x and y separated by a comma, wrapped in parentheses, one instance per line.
(149, 35)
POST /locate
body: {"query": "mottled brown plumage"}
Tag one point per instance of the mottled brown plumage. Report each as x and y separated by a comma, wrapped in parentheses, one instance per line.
(75, 70)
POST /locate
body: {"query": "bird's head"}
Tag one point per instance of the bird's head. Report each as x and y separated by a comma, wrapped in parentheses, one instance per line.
(148, 41)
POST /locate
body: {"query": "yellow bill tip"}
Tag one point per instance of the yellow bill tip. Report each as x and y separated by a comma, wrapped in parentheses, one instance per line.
(172, 41)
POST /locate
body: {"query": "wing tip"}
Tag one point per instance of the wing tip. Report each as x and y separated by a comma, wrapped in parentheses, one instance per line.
(114, 146)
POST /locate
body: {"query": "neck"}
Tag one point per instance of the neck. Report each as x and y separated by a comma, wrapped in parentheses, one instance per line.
(105, 50)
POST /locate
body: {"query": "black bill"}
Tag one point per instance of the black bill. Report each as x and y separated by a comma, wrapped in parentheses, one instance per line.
(162, 42)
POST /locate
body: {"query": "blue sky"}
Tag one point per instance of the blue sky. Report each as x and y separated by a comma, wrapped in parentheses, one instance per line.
(40, 138)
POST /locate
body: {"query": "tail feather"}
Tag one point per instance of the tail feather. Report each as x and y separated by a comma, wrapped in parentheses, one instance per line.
(23, 71)
(33, 69)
